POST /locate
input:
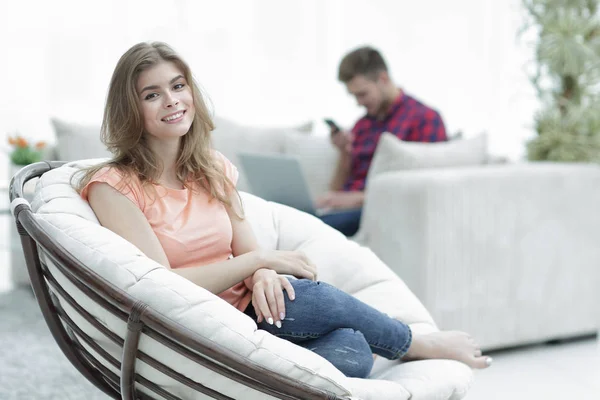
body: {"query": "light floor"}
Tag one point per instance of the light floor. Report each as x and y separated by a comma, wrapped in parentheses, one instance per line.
(551, 372)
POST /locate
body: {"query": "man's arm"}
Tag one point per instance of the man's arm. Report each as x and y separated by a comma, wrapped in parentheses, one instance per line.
(431, 128)
(340, 200)
(342, 140)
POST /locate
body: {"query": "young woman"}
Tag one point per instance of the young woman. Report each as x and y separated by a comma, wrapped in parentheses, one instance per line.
(169, 193)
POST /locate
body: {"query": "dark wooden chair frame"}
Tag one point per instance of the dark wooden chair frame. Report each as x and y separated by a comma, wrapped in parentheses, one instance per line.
(140, 318)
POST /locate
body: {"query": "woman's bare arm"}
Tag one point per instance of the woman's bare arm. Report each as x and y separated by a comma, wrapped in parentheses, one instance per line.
(117, 213)
(120, 215)
(244, 240)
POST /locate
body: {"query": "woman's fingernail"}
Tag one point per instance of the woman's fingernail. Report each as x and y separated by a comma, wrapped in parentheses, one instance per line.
(278, 324)
(489, 361)
(281, 316)
(270, 321)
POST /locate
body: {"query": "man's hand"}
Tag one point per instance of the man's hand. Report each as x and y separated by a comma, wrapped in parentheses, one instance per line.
(338, 200)
(267, 296)
(342, 140)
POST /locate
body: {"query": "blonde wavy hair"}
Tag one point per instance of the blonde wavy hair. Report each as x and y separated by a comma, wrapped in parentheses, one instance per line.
(122, 130)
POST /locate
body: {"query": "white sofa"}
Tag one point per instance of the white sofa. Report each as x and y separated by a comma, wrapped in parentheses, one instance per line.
(355, 269)
(508, 253)
(505, 252)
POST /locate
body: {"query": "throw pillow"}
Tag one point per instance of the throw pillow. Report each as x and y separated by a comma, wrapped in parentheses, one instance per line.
(231, 138)
(393, 154)
(77, 141)
(317, 157)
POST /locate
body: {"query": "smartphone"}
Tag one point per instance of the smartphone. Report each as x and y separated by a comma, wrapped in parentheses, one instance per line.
(334, 127)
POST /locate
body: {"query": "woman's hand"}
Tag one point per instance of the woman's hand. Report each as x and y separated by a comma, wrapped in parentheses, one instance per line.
(294, 263)
(267, 296)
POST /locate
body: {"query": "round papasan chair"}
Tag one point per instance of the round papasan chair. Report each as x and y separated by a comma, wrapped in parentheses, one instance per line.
(136, 330)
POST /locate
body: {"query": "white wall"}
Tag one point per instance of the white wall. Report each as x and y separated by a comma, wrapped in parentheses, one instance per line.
(272, 62)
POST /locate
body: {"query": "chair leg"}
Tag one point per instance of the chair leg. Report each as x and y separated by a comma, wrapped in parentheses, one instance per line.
(130, 348)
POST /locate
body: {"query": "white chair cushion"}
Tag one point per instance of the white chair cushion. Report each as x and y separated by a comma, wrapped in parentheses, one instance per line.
(342, 263)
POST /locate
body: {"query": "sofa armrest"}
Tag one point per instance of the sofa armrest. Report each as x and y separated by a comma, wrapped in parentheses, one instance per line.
(493, 229)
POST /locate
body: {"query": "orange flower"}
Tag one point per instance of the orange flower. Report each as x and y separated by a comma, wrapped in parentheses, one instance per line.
(22, 143)
(40, 145)
(12, 141)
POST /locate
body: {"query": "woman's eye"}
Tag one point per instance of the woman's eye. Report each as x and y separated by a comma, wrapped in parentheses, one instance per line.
(178, 86)
(151, 96)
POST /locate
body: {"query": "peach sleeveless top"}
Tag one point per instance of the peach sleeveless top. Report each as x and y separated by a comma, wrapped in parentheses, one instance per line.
(193, 228)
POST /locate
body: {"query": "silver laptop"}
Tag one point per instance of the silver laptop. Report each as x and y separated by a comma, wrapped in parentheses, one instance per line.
(279, 178)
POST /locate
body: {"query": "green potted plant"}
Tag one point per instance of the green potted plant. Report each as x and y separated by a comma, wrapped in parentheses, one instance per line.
(567, 79)
(23, 152)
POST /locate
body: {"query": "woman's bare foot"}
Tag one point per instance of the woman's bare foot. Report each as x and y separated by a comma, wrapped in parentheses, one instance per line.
(451, 345)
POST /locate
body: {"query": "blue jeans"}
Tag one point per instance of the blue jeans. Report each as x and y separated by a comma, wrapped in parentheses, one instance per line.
(346, 221)
(339, 327)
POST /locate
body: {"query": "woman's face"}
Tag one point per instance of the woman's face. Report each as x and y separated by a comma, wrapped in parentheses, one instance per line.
(166, 101)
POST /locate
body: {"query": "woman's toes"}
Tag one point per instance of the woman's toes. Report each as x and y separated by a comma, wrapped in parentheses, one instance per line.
(482, 362)
(478, 353)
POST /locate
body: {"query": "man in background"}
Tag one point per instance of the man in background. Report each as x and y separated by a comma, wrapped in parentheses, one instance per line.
(388, 109)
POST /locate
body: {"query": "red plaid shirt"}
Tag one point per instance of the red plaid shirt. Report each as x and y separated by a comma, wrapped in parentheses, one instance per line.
(408, 119)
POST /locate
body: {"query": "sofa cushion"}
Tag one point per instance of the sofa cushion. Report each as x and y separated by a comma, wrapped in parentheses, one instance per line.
(393, 154)
(231, 138)
(76, 141)
(317, 157)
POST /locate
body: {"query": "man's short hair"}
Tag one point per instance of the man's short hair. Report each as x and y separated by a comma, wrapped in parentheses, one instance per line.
(362, 61)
